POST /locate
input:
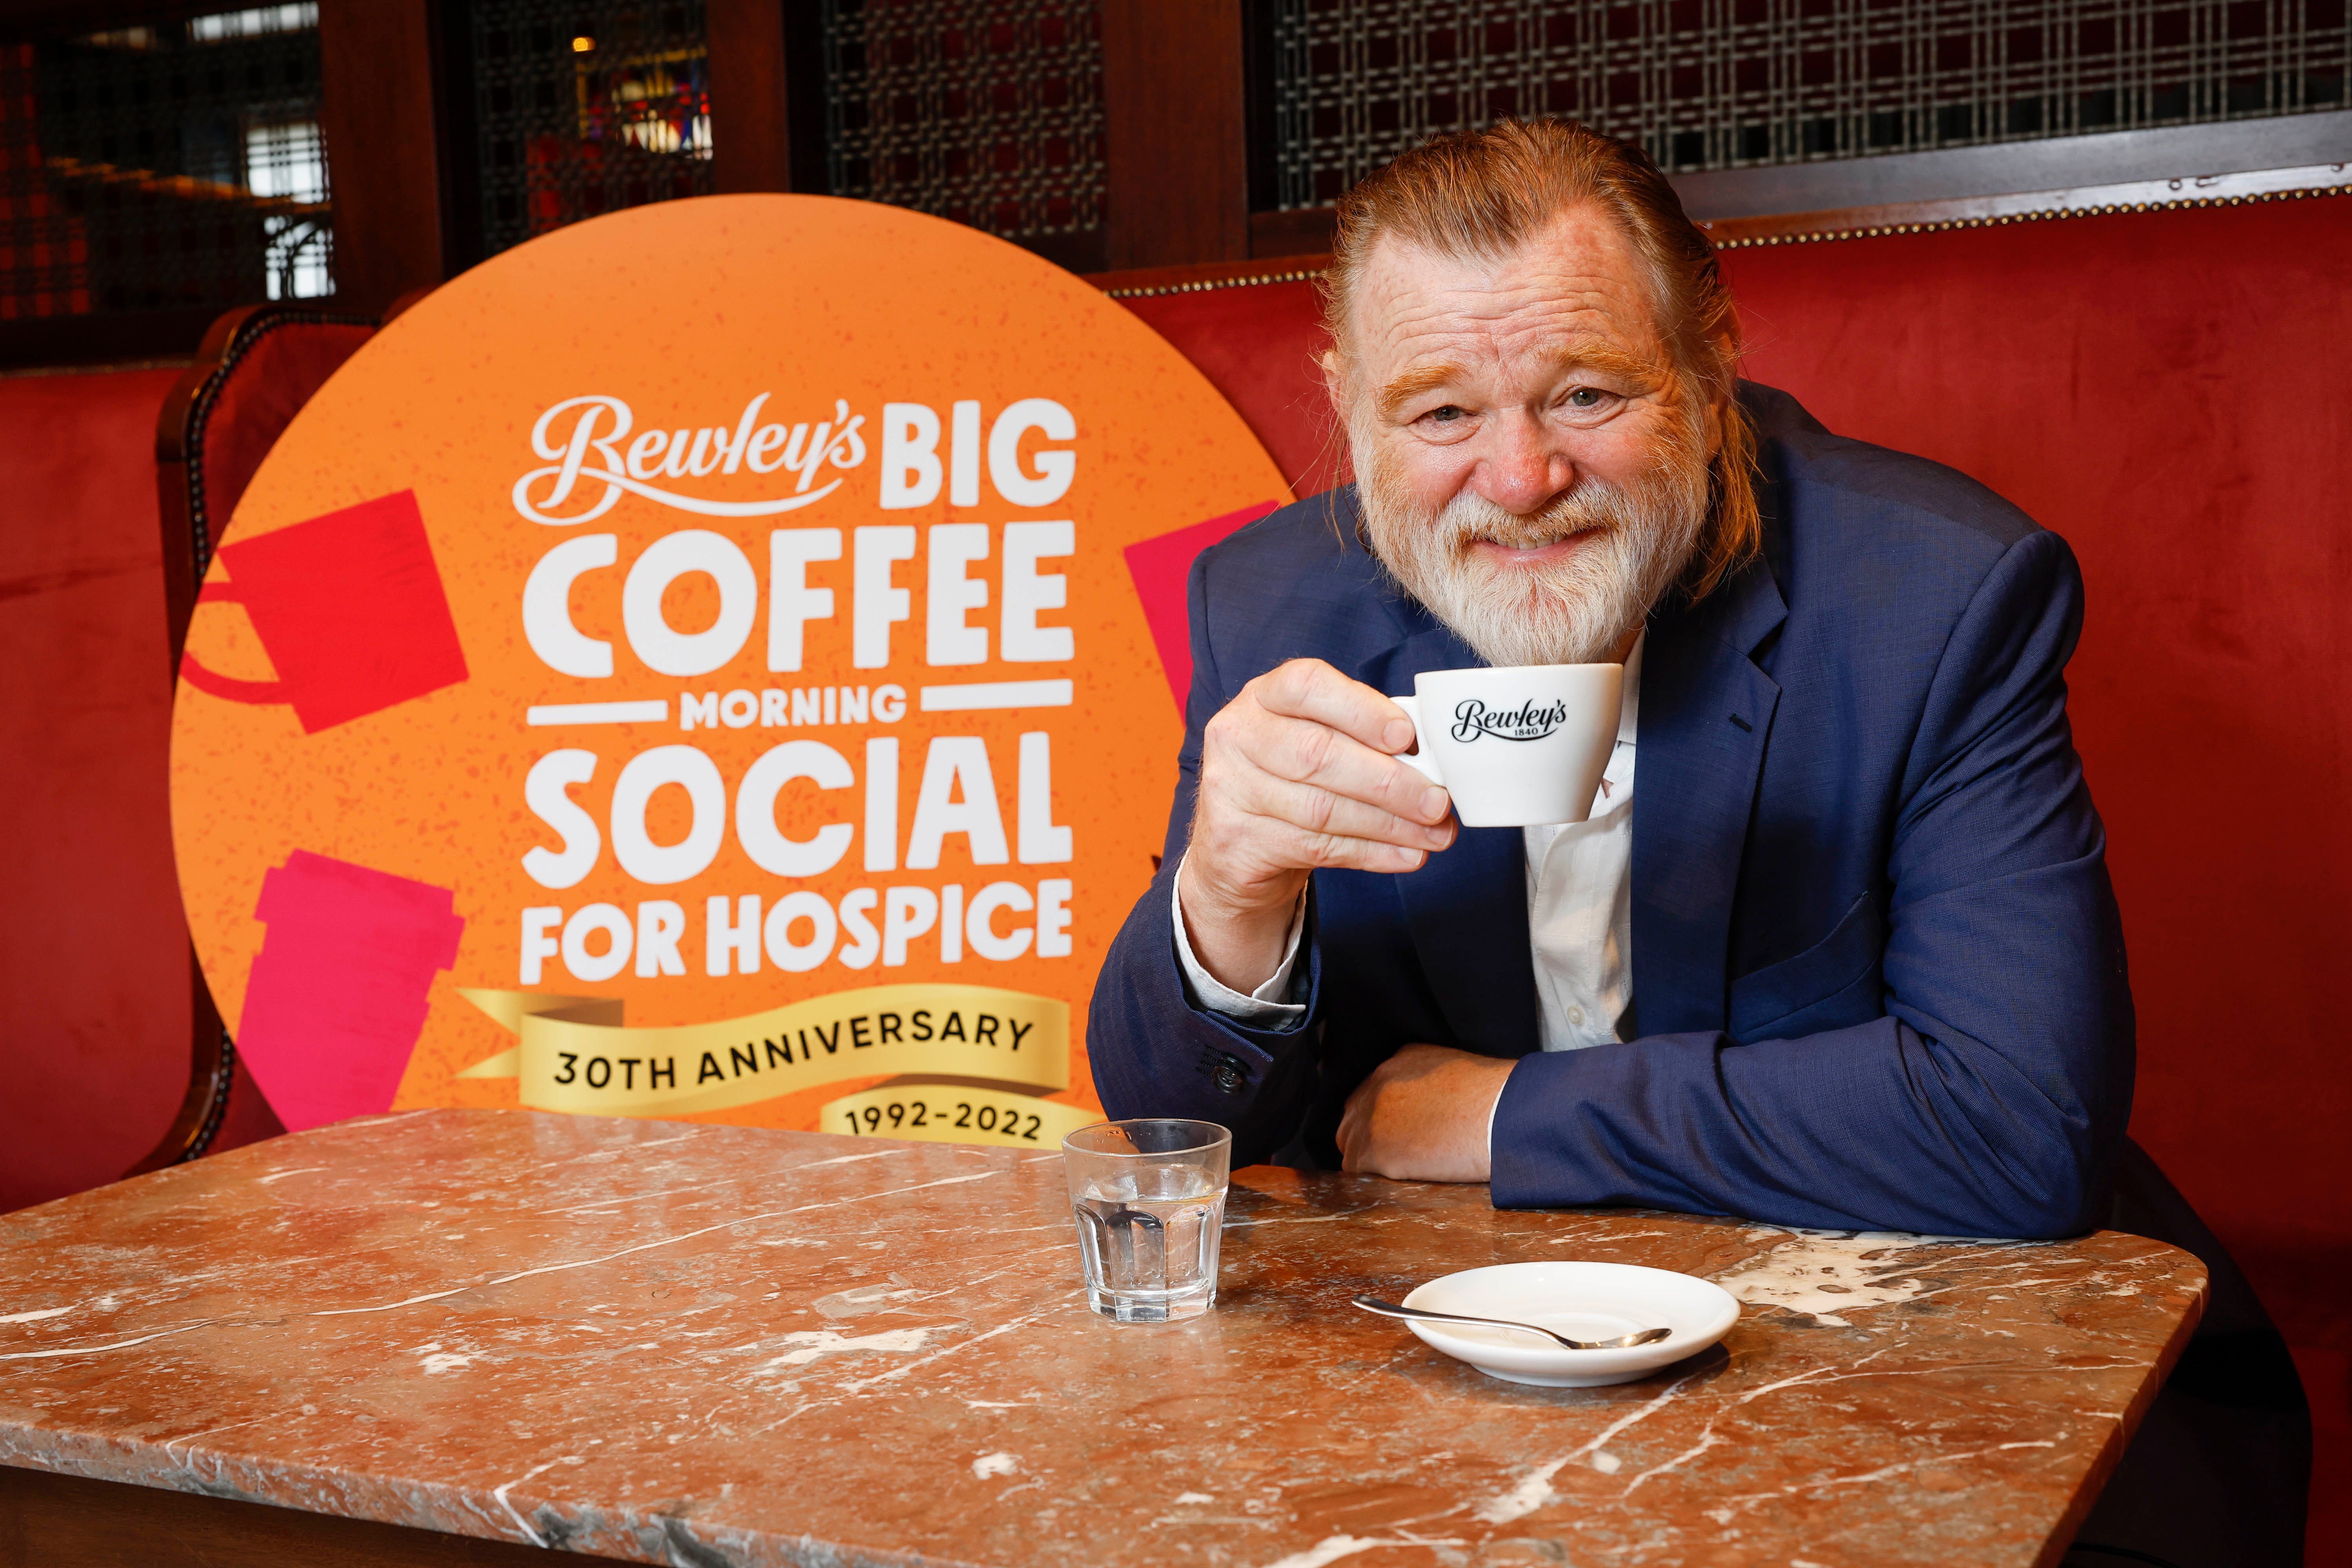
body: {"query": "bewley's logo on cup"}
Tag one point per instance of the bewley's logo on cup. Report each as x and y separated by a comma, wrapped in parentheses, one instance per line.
(1528, 722)
(581, 440)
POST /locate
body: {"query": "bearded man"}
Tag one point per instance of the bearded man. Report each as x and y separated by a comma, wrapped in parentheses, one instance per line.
(1847, 953)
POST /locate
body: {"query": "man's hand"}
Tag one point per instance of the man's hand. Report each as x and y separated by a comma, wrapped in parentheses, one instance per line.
(1422, 1116)
(1297, 773)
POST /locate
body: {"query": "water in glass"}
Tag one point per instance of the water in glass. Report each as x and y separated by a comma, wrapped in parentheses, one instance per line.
(1149, 1240)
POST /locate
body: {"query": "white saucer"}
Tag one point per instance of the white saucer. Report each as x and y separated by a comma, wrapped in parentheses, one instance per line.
(1582, 1300)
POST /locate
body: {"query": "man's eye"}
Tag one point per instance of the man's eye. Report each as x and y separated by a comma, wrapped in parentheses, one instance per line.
(1446, 416)
(1587, 397)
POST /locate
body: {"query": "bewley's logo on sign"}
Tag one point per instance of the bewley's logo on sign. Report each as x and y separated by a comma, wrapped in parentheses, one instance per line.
(1473, 718)
(581, 440)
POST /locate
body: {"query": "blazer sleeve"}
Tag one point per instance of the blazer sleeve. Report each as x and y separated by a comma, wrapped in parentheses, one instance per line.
(1155, 1051)
(1990, 1097)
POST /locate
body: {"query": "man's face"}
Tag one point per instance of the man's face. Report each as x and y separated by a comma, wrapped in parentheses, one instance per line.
(1529, 464)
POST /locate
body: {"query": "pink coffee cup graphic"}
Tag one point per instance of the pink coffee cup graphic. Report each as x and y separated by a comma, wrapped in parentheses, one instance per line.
(350, 609)
(338, 996)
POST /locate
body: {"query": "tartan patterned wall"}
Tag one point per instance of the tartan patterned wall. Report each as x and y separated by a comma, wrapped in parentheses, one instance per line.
(164, 167)
(1716, 84)
(986, 112)
(584, 107)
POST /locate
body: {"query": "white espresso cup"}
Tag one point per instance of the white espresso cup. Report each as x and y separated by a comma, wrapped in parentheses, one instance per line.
(1515, 747)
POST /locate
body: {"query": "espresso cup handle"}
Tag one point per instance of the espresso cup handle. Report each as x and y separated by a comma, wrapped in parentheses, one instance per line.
(1423, 761)
(256, 692)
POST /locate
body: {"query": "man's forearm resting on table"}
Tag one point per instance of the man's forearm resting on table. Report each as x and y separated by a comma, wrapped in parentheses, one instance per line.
(1263, 1009)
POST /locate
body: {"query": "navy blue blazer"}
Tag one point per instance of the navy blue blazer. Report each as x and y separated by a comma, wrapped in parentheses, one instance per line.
(1878, 973)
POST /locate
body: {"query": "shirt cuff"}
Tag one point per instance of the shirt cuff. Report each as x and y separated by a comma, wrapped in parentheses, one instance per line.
(1260, 1008)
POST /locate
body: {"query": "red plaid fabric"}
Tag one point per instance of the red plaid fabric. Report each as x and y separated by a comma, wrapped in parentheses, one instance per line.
(44, 251)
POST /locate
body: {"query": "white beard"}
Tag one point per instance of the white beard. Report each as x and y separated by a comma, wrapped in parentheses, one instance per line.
(1578, 610)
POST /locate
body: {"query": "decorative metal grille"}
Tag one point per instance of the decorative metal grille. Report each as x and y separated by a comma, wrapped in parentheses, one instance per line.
(585, 107)
(1716, 84)
(171, 166)
(986, 112)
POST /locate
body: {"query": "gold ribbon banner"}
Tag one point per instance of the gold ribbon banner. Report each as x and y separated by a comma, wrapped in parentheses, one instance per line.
(575, 1054)
(947, 1114)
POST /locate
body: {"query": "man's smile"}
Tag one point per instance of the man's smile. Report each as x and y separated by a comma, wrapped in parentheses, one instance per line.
(1494, 553)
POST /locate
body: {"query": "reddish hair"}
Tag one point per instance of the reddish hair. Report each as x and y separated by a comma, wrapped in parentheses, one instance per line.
(1485, 193)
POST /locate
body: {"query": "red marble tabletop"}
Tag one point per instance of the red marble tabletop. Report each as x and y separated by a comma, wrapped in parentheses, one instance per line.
(672, 1343)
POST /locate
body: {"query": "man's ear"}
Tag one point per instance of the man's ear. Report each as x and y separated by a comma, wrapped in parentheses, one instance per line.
(1724, 408)
(1340, 440)
(1720, 408)
(1335, 380)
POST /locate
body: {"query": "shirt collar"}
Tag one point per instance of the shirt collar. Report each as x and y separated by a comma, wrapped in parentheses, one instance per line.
(1629, 709)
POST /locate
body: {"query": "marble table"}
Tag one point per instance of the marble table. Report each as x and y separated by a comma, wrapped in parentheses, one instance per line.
(705, 1345)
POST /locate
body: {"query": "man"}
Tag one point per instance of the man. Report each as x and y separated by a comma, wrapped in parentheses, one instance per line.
(1845, 955)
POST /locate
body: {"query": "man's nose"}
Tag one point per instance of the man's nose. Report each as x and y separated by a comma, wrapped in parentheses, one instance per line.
(1523, 466)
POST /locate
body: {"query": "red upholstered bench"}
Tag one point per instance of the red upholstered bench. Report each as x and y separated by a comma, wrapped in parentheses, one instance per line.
(95, 968)
(93, 951)
(2166, 390)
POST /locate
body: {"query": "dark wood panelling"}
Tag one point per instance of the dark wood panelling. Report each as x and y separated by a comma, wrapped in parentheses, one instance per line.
(1084, 251)
(375, 69)
(458, 130)
(1173, 124)
(120, 337)
(1306, 232)
(751, 137)
(804, 95)
(50, 1521)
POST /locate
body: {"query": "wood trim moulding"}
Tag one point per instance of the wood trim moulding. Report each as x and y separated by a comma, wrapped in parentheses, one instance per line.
(1935, 217)
(2099, 161)
(2224, 164)
(54, 1520)
(182, 511)
(212, 1078)
(179, 438)
(1736, 232)
(21, 19)
(1144, 282)
(111, 337)
(107, 367)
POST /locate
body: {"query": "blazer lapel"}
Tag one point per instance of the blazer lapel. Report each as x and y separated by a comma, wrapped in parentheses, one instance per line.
(1468, 906)
(1707, 711)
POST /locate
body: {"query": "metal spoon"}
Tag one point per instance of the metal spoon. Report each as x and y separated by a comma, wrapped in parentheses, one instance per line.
(1390, 1310)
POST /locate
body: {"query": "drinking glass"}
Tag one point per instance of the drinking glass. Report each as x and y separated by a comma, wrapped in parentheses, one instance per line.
(1150, 1196)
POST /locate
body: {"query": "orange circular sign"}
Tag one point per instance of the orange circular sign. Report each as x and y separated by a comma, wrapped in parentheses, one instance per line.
(713, 661)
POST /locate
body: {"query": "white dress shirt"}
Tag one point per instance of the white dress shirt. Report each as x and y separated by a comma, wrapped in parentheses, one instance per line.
(1580, 916)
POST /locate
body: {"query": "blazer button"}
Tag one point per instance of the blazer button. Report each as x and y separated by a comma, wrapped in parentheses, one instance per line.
(1229, 1077)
